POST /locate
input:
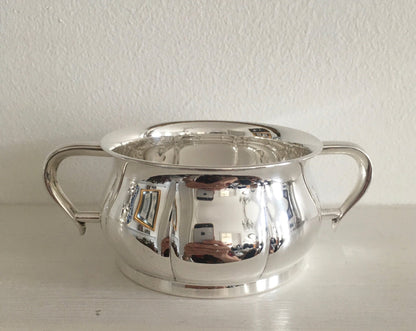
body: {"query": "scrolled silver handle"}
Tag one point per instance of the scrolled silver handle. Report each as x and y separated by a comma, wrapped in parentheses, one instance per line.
(364, 179)
(50, 178)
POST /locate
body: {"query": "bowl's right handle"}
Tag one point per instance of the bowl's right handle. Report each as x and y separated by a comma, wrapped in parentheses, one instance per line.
(50, 177)
(364, 179)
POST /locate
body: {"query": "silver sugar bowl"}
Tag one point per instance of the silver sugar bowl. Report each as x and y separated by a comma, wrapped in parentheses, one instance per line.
(210, 208)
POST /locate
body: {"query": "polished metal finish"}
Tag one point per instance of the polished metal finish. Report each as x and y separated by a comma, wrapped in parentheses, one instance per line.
(365, 175)
(210, 209)
(51, 181)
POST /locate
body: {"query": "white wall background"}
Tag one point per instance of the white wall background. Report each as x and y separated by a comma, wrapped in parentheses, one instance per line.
(72, 71)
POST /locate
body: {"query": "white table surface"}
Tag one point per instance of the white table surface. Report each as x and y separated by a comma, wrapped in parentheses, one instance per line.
(360, 277)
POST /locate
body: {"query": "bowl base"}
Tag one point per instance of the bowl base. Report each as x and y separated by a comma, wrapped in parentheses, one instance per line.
(197, 291)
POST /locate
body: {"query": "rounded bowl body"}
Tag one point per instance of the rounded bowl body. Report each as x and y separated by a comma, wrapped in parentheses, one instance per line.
(215, 209)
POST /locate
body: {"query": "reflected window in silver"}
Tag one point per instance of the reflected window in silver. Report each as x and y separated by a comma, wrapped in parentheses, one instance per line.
(147, 208)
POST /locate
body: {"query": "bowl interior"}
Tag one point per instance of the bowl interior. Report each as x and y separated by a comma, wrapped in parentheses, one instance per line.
(214, 144)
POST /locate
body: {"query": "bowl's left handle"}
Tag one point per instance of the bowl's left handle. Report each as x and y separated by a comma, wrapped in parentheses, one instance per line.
(50, 177)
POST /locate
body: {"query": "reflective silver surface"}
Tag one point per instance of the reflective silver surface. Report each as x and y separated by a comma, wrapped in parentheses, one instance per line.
(210, 209)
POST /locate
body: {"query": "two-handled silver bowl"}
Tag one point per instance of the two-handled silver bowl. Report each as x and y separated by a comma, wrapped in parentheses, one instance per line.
(209, 208)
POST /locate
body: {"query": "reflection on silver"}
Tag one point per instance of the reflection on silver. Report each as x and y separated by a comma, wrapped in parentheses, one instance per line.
(128, 206)
(147, 208)
(210, 209)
